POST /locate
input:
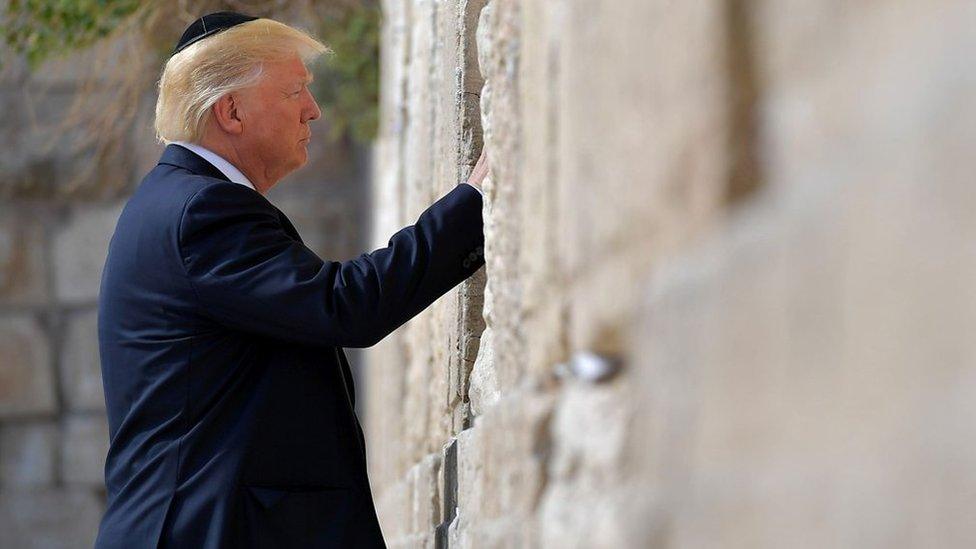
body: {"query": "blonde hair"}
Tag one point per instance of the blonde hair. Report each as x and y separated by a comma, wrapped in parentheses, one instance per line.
(196, 77)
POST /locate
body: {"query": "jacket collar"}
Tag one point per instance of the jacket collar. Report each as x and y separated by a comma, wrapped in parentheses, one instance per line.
(181, 157)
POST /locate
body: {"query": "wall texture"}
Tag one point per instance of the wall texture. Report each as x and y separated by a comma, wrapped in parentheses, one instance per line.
(759, 211)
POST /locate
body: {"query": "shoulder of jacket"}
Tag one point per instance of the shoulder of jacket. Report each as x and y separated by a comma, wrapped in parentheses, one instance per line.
(207, 189)
(218, 201)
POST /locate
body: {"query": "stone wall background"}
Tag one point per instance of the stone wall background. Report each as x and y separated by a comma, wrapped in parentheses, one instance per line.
(53, 428)
(761, 209)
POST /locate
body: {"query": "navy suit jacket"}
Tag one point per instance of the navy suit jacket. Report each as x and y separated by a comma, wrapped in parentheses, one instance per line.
(230, 402)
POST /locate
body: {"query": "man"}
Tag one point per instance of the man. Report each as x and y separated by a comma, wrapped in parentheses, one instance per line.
(230, 401)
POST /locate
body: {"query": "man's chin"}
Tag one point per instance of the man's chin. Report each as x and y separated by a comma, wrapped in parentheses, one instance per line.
(300, 162)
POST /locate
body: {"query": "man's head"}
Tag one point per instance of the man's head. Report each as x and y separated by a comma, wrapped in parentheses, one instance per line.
(242, 92)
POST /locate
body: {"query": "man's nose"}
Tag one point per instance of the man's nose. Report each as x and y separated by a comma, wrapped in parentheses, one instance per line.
(312, 110)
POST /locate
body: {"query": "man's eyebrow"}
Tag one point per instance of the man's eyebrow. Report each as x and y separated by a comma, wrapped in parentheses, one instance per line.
(307, 80)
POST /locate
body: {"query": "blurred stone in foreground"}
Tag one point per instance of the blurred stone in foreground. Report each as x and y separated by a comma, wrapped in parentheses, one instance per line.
(765, 208)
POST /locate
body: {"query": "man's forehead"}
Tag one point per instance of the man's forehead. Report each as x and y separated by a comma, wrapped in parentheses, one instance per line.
(290, 70)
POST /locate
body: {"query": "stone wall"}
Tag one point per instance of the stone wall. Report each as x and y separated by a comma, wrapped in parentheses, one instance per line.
(53, 430)
(754, 216)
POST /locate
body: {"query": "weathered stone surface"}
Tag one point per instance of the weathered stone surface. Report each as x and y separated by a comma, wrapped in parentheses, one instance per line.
(427, 494)
(49, 518)
(28, 451)
(816, 350)
(80, 247)
(80, 369)
(587, 470)
(385, 421)
(424, 124)
(445, 85)
(542, 271)
(23, 273)
(26, 377)
(467, 338)
(388, 162)
(502, 472)
(419, 96)
(84, 449)
(411, 508)
(764, 209)
(499, 48)
(394, 508)
(656, 174)
(484, 391)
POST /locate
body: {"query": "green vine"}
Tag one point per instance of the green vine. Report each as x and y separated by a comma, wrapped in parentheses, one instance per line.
(346, 84)
(39, 29)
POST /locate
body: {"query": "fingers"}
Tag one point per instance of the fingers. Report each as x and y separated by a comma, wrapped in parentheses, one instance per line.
(481, 167)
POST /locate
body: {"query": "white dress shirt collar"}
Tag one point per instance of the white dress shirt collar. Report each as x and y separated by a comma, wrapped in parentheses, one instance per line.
(225, 167)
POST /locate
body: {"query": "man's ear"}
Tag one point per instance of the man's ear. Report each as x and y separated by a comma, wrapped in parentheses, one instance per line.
(228, 114)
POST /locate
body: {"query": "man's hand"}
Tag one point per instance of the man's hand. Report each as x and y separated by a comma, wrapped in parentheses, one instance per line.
(480, 170)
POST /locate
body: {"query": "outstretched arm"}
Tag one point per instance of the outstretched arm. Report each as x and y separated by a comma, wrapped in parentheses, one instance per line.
(248, 274)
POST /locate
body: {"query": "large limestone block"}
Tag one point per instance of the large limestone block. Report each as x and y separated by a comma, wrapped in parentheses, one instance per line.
(80, 248)
(412, 541)
(471, 82)
(418, 151)
(542, 273)
(38, 150)
(28, 451)
(50, 518)
(484, 391)
(641, 143)
(411, 508)
(388, 166)
(771, 379)
(26, 376)
(466, 338)
(23, 249)
(427, 494)
(81, 374)
(501, 472)
(394, 508)
(443, 345)
(84, 448)
(417, 402)
(384, 421)
(588, 470)
(499, 36)
(445, 82)
(818, 351)
(642, 147)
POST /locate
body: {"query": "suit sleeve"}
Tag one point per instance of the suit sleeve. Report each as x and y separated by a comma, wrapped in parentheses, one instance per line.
(248, 274)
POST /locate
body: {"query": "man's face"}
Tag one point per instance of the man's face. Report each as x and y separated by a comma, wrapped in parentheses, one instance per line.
(275, 119)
